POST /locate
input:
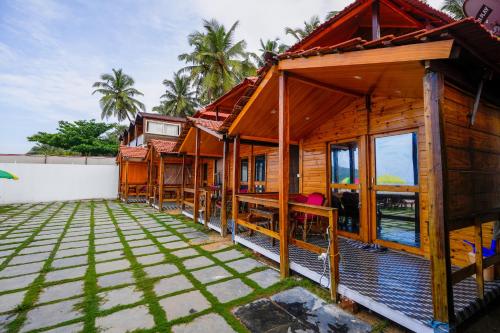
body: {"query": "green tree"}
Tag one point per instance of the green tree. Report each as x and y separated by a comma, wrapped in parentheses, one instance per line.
(179, 99)
(216, 62)
(118, 96)
(331, 14)
(44, 149)
(309, 26)
(84, 137)
(455, 8)
(273, 46)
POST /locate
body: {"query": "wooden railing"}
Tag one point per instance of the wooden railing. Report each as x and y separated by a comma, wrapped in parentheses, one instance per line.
(481, 263)
(270, 200)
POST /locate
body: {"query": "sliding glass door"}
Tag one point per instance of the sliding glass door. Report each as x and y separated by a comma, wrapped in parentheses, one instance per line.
(345, 185)
(395, 189)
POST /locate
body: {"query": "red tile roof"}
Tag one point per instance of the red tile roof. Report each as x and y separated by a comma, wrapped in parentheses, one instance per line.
(133, 152)
(163, 146)
(404, 4)
(210, 124)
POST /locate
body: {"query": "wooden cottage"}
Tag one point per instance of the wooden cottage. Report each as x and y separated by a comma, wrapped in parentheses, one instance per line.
(389, 113)
(167, 173)
(147, 126)
(133, 173)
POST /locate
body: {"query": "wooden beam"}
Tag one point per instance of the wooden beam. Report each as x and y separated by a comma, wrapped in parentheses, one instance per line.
(251, 171)
(183, 181)
(284, 170)
(375, 19)
(236, 179)
(150, 174)
(161, 182)
(404, 53)
(126, 181)
(210, 131)
(442, 291)
(253, 98)
(223, 204)
(196, 174)
(325, 86)
(478, 237)
(120, 170)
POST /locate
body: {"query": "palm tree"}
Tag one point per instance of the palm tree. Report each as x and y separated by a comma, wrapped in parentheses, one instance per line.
(309, 26)
(217, 62)
(179, 100)
(331, 14)
(455, 8)
(273, 46)
(118, 95)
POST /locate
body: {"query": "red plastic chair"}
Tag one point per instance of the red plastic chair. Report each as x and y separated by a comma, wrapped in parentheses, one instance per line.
(306, 220)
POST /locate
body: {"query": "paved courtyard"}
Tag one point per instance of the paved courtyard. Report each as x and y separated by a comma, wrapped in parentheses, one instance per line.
(106, 267)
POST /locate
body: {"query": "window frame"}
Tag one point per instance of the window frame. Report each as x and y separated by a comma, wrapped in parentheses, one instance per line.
(164, 124)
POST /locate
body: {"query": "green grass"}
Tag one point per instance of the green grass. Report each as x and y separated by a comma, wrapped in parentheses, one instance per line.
(90, 304)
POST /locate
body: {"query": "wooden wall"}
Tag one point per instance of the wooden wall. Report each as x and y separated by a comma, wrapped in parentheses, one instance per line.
(387, 115)
(473, 166)
(137, 172)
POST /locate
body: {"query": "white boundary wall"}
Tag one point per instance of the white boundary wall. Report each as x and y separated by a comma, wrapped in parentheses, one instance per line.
(58, 182)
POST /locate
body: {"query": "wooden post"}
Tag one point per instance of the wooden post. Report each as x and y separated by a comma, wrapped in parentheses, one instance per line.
(223, 204)
(183, 180)
(478, 233)
(150, 175)
(251, 171)
(284, 170)
(301, 166)
(126, 181)
(120, 170)
(236, 181)
(333, 254)
(196, 175)
(439, 243)
(160, 183)
(375, 20)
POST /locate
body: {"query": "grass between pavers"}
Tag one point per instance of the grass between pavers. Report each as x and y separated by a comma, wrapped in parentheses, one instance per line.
(91, 300)
(223, 309)
(27, 219)
(36, 287)
(6, 208)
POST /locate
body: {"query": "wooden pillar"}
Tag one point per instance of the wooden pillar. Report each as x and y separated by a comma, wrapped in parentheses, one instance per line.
(196, 175)
(160, 183)
(251, 171)
(301, 166)
(120, 170)
(223, 204)
(442, 291)
(375, 20)
(333, 254)
(284, 170)
(478, 237)
(150, 174)
(183, 180)
(126, 181)
(236, 180)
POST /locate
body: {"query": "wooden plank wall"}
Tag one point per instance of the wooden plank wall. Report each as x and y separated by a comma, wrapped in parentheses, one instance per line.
(387, 115)
(137, 172)
(271, 164)
(474, 166)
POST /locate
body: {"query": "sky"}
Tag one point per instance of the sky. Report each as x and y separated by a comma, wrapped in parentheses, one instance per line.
(51, 52)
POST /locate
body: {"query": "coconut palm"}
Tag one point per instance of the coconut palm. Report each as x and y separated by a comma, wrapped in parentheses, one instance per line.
(309, 26)
(455, 8)
(118, 96)
(273, 46)
(217, 62)
(179, 100)
(331, 14)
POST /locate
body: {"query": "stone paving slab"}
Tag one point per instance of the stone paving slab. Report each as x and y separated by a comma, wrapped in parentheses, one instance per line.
(111, 266)
(228, 255)
(265, 278)
(67, 273)
(183, 305)
(114, 279)
(211, 274)
(197, 262)
(126, 320)
(9, 302)
(229, 290)
(51, 314)
(17, 282)
(121, 296)
(244, 265)
(172, 284)
(161, 270)
(60, 291)
(211, 322)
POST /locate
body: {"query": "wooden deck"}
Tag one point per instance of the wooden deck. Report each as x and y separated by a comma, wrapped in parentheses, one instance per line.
(394, 284)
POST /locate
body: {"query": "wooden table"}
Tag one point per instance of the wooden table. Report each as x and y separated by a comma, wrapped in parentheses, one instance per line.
(270, 214)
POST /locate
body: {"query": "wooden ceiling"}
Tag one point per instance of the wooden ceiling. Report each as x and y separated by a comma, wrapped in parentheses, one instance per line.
(311, 105)
(210, 145)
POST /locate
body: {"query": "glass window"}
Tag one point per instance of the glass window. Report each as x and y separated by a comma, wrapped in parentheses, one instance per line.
(156, 127)
(244, 170)
(344, 163)
(260, 168)
(398, 217)
(396, 159)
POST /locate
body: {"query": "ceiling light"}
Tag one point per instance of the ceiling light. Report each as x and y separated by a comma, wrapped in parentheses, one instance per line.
(357, 77)
(273, 111)
(307, 118)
